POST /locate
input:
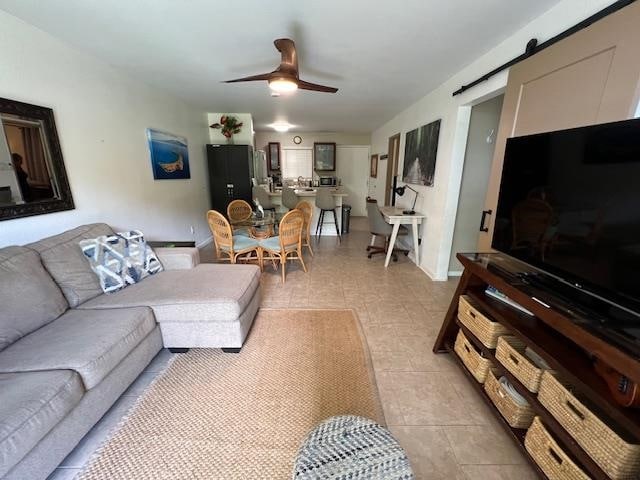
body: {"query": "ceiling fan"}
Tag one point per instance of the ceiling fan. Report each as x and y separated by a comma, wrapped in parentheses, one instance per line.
(285, 78)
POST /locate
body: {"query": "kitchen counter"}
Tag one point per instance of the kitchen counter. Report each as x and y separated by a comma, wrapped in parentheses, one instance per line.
(302, 192)
(309, 196)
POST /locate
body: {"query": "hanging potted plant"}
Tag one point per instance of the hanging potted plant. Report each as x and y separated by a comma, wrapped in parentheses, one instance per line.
(229, 126)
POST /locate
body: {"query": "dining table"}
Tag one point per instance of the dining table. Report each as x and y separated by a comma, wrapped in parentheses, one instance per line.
(259, 226)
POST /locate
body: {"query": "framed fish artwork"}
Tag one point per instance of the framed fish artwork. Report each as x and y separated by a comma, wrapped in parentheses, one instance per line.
(169, 155)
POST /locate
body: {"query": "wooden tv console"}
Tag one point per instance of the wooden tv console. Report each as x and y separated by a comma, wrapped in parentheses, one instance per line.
(555, 335)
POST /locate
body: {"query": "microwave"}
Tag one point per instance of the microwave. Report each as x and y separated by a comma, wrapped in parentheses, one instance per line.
(328, 181)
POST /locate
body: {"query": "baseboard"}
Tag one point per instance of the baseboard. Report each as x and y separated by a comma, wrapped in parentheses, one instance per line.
(432, 275)
(205, 242)
(457, 273)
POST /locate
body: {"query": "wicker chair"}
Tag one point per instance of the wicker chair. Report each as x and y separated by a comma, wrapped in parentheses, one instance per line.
(239, 210)
(307, 210)
(229, 244)
(288, 242)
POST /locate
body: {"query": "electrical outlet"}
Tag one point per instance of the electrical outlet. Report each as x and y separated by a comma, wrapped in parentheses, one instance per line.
(192, 230)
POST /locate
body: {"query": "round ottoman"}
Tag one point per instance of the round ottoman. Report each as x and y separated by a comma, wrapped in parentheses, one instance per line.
(350, 447)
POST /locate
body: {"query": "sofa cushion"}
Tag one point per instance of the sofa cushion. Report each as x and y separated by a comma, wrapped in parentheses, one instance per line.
(29, 297)
(213, 292)
(31, 404)
(121, 259)
(63, 258)
(91, 342)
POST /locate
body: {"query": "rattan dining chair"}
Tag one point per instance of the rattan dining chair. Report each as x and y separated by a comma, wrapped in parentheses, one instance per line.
(307, 210)
(288, 242)
(227, 243)
(237, 211)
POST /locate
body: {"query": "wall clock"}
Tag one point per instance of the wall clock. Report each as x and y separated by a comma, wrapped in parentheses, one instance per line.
(297, 140)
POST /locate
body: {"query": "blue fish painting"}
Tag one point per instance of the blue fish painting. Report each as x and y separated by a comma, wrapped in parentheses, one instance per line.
(169, 155)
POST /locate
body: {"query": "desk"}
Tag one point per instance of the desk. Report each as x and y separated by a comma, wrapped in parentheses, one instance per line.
(394, 216)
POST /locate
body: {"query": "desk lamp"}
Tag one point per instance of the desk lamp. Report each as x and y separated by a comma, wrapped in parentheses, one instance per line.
(400, 191)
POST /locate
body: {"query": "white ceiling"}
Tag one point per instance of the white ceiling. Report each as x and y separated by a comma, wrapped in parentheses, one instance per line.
(382, 55)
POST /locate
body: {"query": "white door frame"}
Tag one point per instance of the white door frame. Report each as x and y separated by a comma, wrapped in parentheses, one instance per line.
(493, 88)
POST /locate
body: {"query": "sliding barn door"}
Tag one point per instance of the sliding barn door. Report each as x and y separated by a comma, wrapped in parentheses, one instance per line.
(590, 77)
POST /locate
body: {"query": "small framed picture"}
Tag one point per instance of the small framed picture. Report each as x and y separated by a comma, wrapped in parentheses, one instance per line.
(324, 156)
(374, 166)
(273, 151)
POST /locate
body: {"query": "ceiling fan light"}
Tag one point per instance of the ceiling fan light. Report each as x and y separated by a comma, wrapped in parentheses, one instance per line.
(282, 85)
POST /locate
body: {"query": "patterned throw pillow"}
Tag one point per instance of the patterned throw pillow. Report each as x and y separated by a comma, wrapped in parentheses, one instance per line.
(121, 259)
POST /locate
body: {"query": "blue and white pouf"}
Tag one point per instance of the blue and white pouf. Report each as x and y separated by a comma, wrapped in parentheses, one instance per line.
(353, 448)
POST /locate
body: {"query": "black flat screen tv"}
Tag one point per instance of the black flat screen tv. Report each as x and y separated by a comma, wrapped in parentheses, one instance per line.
(569, 205)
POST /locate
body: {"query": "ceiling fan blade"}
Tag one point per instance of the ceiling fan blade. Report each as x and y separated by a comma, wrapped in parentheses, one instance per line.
(262, 76)
(315, 87)
(289, 57)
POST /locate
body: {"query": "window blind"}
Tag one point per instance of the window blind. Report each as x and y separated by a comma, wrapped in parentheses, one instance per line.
(297, 162)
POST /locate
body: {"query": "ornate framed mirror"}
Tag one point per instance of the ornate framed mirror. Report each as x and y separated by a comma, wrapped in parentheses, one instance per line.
(33, 179)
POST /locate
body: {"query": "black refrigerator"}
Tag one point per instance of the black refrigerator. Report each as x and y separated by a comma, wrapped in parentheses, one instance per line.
(230, 172)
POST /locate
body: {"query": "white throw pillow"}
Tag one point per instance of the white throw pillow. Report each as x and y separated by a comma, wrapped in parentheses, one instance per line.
(120, 260)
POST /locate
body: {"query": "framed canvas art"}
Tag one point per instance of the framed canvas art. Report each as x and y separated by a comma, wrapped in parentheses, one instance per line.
(374, 166)
(420, 152)
(324, 156)
(169, 155)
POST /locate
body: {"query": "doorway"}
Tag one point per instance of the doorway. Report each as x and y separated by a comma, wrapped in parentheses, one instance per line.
(483, 129)
(392, 166)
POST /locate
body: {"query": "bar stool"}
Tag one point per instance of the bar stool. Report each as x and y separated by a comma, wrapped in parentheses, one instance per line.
(326, 203)
(289, 198)
(261, 196)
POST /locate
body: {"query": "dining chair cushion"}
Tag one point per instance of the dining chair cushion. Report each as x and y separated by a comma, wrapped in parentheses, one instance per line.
(273, 244)
(240, 242)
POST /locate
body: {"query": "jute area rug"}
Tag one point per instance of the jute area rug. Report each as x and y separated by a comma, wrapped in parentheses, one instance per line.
(243, 416)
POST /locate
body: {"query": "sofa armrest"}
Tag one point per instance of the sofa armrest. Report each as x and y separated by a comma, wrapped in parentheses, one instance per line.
(178, 258)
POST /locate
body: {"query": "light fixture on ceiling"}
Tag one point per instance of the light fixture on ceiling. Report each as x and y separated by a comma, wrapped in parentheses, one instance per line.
(283, 85)
(286, 78)
(281, 127)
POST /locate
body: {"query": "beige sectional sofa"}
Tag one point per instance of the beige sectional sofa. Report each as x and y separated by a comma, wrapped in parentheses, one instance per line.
(67, 351)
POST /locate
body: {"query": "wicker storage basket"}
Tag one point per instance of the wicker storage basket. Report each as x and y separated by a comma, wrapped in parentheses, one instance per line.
(475, 363)
(617, 458)
(485, 329)
(516, 415)
(510, 353)
(549, 456)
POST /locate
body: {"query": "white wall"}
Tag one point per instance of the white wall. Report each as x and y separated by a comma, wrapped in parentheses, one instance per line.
(440, 201)
(353, 169)
(308, 138)
(101, 116)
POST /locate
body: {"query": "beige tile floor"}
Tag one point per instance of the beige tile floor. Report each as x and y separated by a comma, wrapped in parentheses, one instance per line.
(429, 405)
(447, 430)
